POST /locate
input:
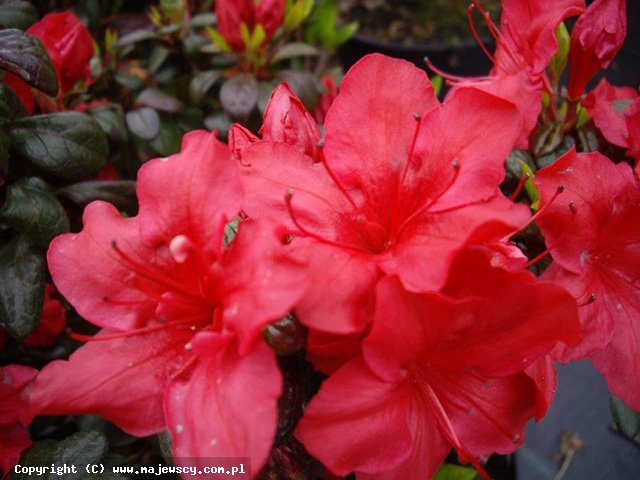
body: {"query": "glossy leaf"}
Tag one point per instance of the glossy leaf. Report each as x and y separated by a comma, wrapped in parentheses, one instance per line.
(159, 100)
(10, 105)
(454, 472)
(112, 121)
(239, 96)
(201, 83)
(69, 145)
(80, 449)
(31, 209)
(120, 193)
(144, 122)
(24, 55)
(17, 14)
(167, 142)
(627, 420)
(22, 269)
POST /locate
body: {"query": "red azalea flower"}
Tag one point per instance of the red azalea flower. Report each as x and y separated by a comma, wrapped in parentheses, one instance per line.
(598, 261)
(595, 40)
(181, 313)
(526, 42)
(326, 99)
(14, 414)
(230, 14)
(52, 322)
(70, 46)
(285, 120)
(403, 184)
(632, 116)
(460, 369)
(607, 104)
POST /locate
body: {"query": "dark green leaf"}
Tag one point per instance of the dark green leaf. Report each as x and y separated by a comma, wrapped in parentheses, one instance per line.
(304, 84)
(22, 269)
(191, 118)
(265, 89)
(201, 83)
(24, 55)
(158, 55)
(134, 37)
(203, 20)
(627, 420)
(239, 96)
(131, 82)
(10, 105)
(80, 449)
(168, 140)
(121, 193)
(17, 14)
(31, 209)
(69, 145)
(292, 50)
(111, 120)
(219, 122)
(159, 100)
(448, 471)
(144, 122)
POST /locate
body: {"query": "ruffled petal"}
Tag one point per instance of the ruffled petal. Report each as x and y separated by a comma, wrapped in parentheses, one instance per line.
(357, 422)
(228, 405)
(122, 379)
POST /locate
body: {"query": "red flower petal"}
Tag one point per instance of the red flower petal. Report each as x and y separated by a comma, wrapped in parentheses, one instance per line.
(595, 40)
(606, 104)
(371, 125)
(91, 381)
(357, 422)
(69, 45)
(600, 256)
(228, 405)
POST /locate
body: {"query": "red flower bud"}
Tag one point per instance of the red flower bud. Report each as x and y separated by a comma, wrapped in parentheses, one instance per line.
(595, 41)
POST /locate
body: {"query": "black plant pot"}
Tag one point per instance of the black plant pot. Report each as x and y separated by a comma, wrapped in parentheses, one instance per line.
(464, 58)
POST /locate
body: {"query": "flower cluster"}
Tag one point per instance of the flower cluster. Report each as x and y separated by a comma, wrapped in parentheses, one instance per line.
(385, 237)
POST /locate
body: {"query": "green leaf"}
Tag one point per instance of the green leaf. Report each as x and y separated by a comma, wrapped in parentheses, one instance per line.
(220, 122)
(150, 97)
(24, 55)
(135, 37)
(111, 120)
(120, 193)
(168, 140)
(239, 96)
(31, 209)
(158, 55)
(627, 420)
(10, 105)
(201, 83)
(559, 60)
(257, 37)
(80, 449)
(532, 191)
(218, 40)
(296, 14)
(448, 471)
(22, 269)
(203, 20)
(17, 14)
(293, 50)
(69, 145)
(144, 122)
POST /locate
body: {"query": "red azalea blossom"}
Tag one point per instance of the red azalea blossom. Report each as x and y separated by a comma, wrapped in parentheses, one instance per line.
(632, 116)
(181, 313)
(460, 369)
(52, 322)
(595, 40)
(285, 120)
(231, 14)
(14, 414)
(607, 104)
(598, 261)
(326, 99)
(403, 184)
(70, 46)
(526, 42)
